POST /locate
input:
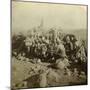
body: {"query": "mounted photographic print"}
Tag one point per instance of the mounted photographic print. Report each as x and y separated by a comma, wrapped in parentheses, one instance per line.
(49, 44)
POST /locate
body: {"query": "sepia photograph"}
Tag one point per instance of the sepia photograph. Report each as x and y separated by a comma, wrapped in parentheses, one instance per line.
(49, 44)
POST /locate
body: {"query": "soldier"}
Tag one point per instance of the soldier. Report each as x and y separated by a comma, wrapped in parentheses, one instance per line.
(60, 50)
(28, 43)
(44, 51)
(67, 45)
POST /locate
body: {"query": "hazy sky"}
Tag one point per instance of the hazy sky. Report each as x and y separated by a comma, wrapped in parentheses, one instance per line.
(26, 15)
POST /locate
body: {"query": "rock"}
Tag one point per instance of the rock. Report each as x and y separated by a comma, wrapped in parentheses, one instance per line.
(82, 75)
(39, 61)
(62, 63)
(52, 77)
(68, 72)
(66, 62)
(43, 79)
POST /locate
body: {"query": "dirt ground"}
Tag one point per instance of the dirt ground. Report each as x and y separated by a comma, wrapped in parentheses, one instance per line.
(27, 74)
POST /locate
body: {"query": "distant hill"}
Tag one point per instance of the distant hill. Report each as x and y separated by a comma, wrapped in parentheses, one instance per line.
(82, 33)
(79, 33)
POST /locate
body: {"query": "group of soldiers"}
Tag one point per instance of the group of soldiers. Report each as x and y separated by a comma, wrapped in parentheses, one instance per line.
(49, 47)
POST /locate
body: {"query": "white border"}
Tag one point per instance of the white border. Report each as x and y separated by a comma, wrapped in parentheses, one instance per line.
(5, 43)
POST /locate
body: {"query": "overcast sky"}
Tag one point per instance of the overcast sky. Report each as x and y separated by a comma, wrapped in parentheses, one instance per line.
(26, 15)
